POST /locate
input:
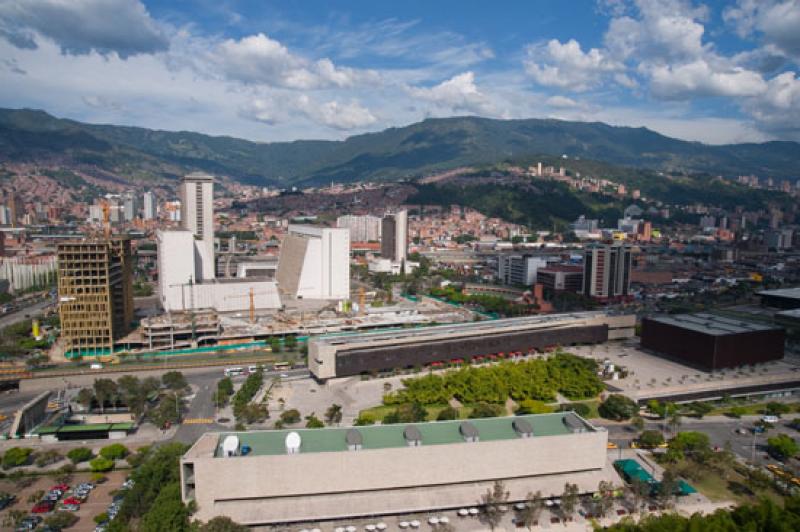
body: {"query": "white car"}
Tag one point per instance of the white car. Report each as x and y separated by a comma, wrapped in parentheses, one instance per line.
(769, 419)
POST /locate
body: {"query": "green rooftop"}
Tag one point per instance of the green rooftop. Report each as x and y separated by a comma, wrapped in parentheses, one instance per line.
(273, 442)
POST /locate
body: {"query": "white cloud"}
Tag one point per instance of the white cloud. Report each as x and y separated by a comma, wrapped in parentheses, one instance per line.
(554, 64)
(281, 108)
(458, 93)
(562, 102)
(698, 78)
(778, 22)
(259, 59)
(123, 27)
(778, 108)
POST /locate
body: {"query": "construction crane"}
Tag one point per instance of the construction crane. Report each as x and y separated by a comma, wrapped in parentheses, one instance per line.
(106, 207)
(252, 296)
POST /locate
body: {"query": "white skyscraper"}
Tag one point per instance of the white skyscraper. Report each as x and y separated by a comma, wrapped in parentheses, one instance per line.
(197, 216)
(315, 263)
(150, 206)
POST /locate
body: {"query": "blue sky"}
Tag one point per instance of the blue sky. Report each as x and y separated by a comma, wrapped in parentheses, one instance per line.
(714, 72)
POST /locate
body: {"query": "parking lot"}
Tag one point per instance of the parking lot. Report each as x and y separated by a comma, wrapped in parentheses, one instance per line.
(97, 502)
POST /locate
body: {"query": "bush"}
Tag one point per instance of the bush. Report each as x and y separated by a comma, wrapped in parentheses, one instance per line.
(447, 413)
(409, 413)
(16, 456)
(101, 518)
(98, 478)
(313, 422)
(223, 524)
(486, 410)
(581, 409)
(45, 458)
(618, 407)
(115, 451)
(60, 520)
(777, 409)
(289, 417)
(650, 439)
(79, 454)
(363, 420)
(532, 406)
(174, 380)
(101, 464)
(736, 412)
(782, 446)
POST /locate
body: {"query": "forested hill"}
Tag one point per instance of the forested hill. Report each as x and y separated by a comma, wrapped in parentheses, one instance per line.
(434, 144)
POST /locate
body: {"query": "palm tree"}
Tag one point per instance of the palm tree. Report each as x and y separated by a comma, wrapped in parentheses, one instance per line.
(529, 516)
(569, 500)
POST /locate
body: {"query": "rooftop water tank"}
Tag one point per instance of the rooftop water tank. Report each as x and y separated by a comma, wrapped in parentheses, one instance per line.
(293, 443)
(230, 445)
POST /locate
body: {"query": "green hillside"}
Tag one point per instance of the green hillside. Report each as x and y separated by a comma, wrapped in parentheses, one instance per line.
(418, 149)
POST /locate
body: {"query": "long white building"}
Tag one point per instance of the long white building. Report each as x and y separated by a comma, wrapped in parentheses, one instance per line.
(362, 228)
(315, 263)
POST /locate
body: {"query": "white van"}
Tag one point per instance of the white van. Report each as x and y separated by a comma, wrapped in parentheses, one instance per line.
(96, 365)
(233, 372)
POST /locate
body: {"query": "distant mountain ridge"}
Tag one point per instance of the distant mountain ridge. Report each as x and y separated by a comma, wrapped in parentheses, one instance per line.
(432, 145)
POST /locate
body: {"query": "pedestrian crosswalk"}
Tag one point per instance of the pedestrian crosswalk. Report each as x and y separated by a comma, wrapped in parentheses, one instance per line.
(198, 421)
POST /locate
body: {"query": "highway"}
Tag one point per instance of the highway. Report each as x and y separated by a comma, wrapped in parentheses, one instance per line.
(24, 313)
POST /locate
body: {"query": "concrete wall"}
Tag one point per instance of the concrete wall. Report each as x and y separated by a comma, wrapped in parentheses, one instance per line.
(175, 267)
(248, 488)
(315, 263)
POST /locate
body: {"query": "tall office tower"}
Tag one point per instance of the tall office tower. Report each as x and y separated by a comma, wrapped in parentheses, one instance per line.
(150, 206)
(362, 228)
(95, 294)
(16, 208)
(130, 205)
(394, 236)
(607, 271)
(315, 263)
(197, 216)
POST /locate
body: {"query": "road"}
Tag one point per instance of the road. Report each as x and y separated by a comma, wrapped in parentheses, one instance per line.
(24, 313)
(202, 403)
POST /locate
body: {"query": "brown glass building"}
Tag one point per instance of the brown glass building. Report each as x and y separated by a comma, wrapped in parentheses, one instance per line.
(712, 342)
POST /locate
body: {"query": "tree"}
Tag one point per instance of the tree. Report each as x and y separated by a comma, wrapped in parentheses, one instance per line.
(674, 421)
(529, 516)
(290, 343)
(104, 391)
(700, 409)
(115, 451)
(364, 420)
(223, 524)
(168, 511)
(493, 501)
(777, 409)
(782, 446)
(16, 456)
(313, 422)
(101, 518)
(606, 500)
(275, 344)
(13, 518)
(168, 410)
(85, 397)
(532, 406)
(569, 500)
(650, 439)
(101, 464)
(174, 380)
(618, 407)
(45, 458)
(639, 489)
(60, 520)
(667, 488)
(637, 423)
(582, 409)
(695, 444)
(447, 413)
(290, 417)
(333, 415)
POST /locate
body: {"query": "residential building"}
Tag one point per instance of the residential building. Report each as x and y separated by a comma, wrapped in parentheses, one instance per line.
(130, 205)
(197, 216)
(394, 236)
(363, 228)
(95, 294)
(607, 270)
(150, 202)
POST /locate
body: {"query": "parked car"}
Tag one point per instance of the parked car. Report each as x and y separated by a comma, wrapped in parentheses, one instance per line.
(772, 420)
(60, 487)
(71, 507)
(72, 500)
(43, 507)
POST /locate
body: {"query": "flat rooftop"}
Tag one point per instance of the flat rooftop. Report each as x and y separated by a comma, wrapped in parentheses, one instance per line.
(712, 324)
(789, 293)
(273, 442)
(478, 327)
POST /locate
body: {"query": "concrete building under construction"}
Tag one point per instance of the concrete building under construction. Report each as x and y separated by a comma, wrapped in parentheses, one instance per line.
(95, 294)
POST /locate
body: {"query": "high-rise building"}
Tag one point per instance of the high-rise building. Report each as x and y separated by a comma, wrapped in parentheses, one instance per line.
(519, 270)
(315, 263)
(394, 236)
(607, 270)
(130, 205)
(150, 206)
(362, 228)
(95, 294)
(197, 216)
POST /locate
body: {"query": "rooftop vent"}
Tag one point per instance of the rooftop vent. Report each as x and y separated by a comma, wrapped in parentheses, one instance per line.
(354, 440)
(522, 428)
(413, 436)
(230, 445)
(293, 442)
(469, 432)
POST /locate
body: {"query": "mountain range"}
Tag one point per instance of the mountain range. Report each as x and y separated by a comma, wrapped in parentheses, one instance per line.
(134, 153)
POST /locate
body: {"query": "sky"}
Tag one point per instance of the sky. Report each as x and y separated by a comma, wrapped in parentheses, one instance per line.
(715, 72)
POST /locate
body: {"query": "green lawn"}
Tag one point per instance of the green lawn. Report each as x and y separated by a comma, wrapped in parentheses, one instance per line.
(379, 412)
(732, 486)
